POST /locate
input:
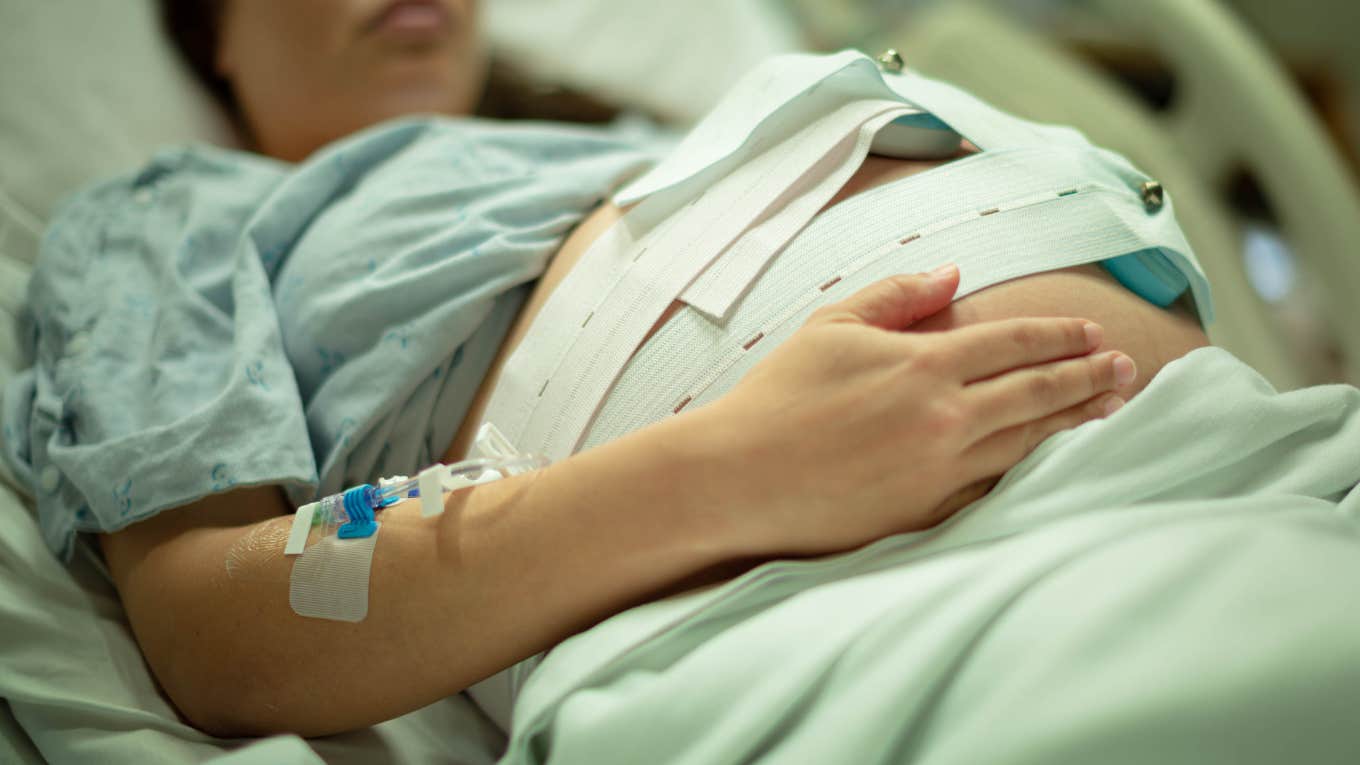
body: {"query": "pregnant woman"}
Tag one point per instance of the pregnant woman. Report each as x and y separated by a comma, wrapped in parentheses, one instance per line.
(225, 335)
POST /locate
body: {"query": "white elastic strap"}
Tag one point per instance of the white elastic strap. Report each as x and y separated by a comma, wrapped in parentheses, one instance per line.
(763, 95)
(330, 580)
(723, 282)
(773, 101)
(573, 391)
(576, 375)
(576, 388)
(607, 260)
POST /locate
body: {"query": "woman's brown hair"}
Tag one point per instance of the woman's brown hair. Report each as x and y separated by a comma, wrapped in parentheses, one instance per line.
(193, 26)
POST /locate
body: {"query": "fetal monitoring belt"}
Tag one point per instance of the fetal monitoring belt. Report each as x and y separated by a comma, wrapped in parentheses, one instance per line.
(738, 201)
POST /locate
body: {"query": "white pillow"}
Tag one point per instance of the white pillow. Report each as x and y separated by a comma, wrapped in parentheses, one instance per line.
(89, 89)
(673, 59)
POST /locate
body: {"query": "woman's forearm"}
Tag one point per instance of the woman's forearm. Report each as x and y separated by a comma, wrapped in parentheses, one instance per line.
(510, 569)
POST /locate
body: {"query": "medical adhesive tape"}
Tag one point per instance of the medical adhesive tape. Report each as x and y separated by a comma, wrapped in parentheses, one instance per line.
(431, 490)
(335, 537)
(330, 580)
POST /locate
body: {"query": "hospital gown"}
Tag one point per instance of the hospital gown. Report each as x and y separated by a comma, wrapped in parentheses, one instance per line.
(221, 319)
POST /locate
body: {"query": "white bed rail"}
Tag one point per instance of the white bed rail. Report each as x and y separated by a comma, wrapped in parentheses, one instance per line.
(1226, 79)
(1235, 106)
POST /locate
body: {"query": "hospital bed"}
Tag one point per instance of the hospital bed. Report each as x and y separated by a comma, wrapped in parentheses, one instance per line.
(87, 89)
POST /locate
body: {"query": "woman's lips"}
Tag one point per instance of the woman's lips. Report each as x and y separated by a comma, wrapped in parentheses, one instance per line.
(412, 20)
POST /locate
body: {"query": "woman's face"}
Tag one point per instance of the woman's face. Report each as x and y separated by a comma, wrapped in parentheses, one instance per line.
(306, 72)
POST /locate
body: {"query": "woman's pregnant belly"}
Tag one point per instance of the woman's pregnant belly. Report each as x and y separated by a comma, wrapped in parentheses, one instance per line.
(1152, 336)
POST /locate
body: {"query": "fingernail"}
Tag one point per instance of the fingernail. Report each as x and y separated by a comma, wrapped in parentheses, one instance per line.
(1124, 370)
(944, 272)
(1095, 335)
(1113, 404)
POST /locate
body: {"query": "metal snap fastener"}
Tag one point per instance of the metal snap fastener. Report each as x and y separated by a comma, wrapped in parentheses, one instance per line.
(891, 61)
(1153, 195)
(50, 478)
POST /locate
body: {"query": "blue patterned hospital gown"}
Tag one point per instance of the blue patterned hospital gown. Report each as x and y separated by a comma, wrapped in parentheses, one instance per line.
(220, 319)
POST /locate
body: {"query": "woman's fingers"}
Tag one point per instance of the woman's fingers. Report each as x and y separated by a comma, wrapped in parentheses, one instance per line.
(1000, 451)
(988, 349)
(1030, 394)
(895, 302)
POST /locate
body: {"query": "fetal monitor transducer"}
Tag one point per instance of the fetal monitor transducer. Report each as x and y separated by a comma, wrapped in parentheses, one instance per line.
(336, 536)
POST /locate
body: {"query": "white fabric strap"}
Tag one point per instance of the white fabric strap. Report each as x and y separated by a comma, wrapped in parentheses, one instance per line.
(574, 391)
(769, 104)
(1002, 233)
(582, 338)
(723, 282)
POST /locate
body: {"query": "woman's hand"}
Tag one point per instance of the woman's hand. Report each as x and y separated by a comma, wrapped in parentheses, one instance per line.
(853, 429)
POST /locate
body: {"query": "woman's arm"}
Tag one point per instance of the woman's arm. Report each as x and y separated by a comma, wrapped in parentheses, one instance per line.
(849, 431)
(507, 571)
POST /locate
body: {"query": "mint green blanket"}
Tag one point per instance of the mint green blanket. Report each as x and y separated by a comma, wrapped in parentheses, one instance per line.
(1179, 583)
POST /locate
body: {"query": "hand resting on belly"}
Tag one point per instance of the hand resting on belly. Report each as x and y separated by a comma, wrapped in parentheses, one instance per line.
(1150, 335)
